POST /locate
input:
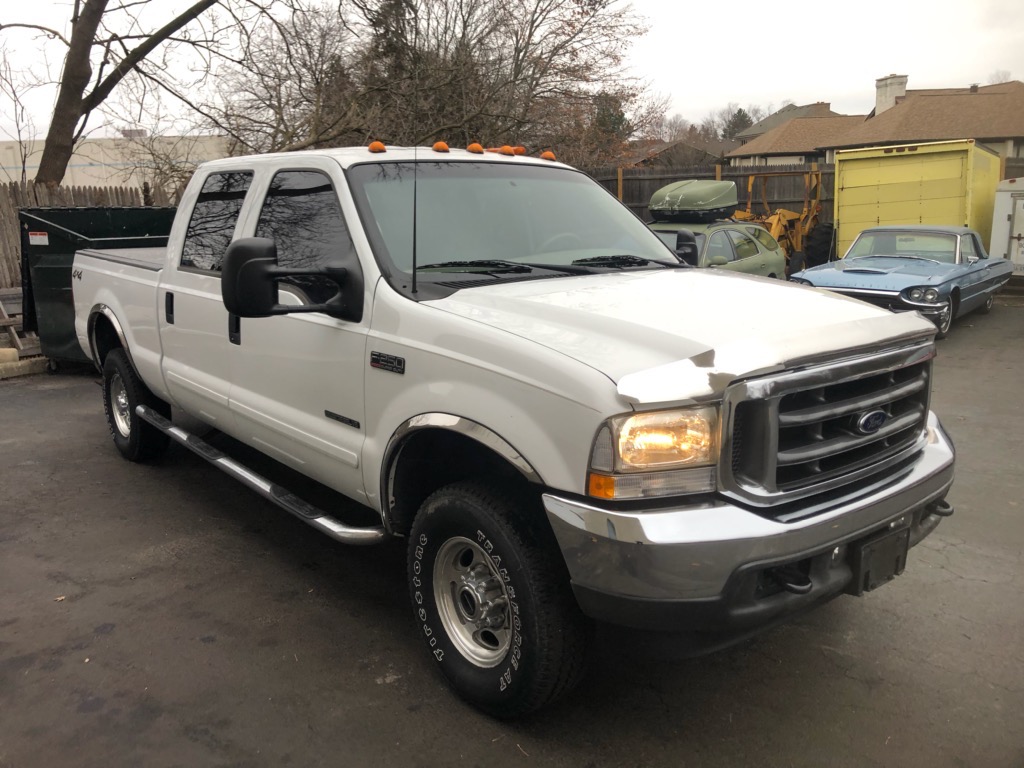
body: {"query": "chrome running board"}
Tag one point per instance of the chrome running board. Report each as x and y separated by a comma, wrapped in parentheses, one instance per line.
(279, 495)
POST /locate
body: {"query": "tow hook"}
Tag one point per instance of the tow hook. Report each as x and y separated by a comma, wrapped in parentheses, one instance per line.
(941, 508)
(792, 579)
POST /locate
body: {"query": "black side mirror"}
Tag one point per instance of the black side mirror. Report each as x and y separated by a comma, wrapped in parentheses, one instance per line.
(246, 284)
(686, 247)
(249, 282)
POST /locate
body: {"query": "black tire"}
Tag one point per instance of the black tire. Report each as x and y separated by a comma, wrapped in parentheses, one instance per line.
(944, 322)
(123, 391)
(985, 308)
(820, 247)
(471, 547)
(797, 262)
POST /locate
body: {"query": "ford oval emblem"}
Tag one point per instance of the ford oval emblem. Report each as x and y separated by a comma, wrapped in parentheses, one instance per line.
(872, 421)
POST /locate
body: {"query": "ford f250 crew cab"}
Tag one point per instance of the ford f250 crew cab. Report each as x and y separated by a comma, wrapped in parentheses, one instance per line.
(564, 422)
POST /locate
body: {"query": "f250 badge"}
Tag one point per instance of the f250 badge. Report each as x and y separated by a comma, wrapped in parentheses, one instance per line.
(387, 362)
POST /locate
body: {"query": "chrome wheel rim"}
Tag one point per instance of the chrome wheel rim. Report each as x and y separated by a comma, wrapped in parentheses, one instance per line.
(946, 318)
(472, 602)
(119, 406)
(990, 301)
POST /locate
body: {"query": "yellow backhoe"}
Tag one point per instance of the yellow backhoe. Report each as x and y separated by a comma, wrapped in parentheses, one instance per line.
(805, 241)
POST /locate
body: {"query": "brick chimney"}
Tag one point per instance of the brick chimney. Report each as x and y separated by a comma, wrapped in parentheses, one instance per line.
(889, 90)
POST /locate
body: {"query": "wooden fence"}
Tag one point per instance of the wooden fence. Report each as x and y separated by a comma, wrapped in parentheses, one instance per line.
(638, 184)
(14, 196)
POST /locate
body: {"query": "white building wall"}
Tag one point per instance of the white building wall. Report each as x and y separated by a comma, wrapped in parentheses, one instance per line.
(116, 162)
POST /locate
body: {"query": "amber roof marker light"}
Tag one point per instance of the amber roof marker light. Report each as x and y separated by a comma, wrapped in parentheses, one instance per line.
(377, 146)
(475, 148)
(440, 146)
(547, 155)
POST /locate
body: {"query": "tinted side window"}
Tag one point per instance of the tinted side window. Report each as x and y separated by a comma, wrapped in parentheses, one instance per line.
(213, 220)
(764, 237)
(718, 245)
(301, 214)
(967, 248)
(745, 247)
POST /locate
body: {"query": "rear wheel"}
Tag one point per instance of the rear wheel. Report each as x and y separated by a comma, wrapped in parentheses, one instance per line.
(123, 392)
(491, 596)
(820, 247)
(985, 308)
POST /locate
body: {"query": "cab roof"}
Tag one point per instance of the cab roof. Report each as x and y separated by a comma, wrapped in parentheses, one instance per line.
(349, 156)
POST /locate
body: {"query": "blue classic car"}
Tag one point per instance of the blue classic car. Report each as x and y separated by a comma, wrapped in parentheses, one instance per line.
(942, 272)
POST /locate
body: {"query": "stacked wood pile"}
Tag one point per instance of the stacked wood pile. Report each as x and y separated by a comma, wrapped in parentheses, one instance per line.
(11, 334)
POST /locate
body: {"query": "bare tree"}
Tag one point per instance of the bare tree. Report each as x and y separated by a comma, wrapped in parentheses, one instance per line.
(109, 42)
(13, 88)
(531, 72)
(1000, 76)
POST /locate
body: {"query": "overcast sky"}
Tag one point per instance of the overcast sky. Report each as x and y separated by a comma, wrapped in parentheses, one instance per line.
(703, 54)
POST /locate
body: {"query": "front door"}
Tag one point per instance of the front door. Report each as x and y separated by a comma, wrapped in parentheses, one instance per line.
(297, 390)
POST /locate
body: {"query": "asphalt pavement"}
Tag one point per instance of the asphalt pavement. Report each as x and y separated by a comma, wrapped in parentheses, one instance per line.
(165, 616)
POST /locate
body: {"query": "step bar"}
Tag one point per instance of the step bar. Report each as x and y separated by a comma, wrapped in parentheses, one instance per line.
(273, 492)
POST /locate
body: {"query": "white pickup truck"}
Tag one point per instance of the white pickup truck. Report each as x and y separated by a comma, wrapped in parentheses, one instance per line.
(566, 423)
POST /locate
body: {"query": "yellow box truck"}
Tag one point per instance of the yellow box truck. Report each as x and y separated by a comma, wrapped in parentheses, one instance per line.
(943, 182)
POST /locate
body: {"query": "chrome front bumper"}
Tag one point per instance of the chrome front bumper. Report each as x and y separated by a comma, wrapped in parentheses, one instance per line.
(651, 560)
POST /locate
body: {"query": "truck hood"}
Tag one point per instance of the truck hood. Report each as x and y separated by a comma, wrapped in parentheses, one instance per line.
(878, 273)
(683, 335)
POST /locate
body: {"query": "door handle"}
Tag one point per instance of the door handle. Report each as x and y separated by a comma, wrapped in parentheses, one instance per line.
(234, 328)
(169, 307)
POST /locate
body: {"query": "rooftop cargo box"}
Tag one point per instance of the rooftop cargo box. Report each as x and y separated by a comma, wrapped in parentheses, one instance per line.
(945, 182)
(694, 200)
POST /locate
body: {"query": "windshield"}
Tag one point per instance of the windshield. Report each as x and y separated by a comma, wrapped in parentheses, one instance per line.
(935, 246)
(488, 213)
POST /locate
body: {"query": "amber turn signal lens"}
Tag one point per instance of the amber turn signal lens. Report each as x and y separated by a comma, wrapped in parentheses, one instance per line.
(601, 486)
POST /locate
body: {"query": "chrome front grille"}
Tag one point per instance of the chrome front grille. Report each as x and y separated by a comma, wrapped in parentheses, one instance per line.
(805, 432)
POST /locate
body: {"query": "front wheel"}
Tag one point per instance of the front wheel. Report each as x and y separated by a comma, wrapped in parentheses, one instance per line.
(123, 392)
(944, 319)
(491, 596)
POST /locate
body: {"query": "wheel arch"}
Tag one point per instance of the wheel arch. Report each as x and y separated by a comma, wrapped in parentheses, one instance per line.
(431, 450)
(105, 334)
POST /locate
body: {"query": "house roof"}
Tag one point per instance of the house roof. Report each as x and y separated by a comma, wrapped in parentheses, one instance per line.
(641, 151)
(991, 112)
(799, 136)
(784, 115)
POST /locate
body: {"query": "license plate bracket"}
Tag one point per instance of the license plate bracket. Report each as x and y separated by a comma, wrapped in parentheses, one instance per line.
(878, 559)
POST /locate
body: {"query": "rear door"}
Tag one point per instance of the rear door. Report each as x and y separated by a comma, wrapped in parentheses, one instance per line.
(191, 315)
(297, 391)
(749, 257)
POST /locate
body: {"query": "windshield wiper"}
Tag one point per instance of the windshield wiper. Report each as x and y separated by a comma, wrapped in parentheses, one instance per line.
(624, 260)
(496, 266)
(897, 256)
(480, 265)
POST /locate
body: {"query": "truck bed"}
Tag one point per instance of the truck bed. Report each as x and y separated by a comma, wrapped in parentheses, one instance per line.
(146, 258)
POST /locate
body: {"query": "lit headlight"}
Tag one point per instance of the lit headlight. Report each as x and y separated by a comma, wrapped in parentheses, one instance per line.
(661, 453)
